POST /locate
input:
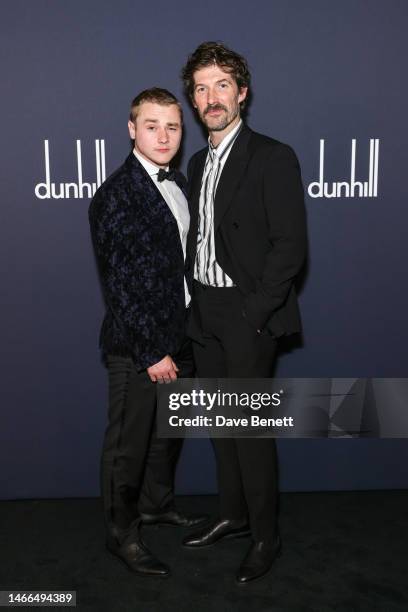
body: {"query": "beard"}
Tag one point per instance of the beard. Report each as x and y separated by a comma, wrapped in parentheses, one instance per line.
(218, 124)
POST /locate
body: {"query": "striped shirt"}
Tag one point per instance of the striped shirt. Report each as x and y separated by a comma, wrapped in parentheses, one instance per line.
(206, 270)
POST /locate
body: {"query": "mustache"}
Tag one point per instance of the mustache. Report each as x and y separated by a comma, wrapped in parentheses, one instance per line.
(212, 107)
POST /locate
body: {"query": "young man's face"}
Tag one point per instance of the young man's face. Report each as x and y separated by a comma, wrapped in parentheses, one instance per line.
(157, 132)
(216, 97)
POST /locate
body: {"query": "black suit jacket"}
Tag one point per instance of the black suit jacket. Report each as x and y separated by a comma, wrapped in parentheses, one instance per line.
(141, 266)
(259, 225)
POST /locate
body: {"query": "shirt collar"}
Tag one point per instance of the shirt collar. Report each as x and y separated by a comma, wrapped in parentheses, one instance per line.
(150, 168)
(220, 148)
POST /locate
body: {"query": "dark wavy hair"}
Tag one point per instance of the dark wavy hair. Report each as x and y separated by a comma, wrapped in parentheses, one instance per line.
(154, 94)
(209, 53)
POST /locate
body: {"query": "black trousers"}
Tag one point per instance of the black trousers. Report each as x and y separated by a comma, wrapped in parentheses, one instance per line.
(230, 348)
(137, 467)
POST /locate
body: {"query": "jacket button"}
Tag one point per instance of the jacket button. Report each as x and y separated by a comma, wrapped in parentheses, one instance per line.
(235, 225)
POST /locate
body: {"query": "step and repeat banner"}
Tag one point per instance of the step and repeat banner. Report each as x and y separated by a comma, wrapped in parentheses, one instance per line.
(328, 79)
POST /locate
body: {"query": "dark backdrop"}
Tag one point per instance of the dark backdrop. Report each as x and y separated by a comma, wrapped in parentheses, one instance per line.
(321, 71)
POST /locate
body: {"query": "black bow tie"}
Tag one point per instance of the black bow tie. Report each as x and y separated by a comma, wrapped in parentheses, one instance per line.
(163, 175)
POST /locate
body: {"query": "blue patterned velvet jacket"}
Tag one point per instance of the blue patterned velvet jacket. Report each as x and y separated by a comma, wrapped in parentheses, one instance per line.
(141, 267)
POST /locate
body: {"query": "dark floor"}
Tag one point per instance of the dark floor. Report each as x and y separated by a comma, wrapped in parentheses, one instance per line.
(341, 551)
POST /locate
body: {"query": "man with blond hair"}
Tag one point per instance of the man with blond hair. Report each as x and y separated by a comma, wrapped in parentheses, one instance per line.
(139, 222)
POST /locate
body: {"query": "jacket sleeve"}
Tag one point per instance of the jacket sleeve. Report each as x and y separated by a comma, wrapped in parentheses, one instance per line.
(126, 276)
(283, 201)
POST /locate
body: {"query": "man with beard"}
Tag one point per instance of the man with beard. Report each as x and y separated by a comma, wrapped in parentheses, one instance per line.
(246, 246)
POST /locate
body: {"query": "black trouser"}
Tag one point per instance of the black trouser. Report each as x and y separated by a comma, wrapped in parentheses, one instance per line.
(137, 470)
(231, 348)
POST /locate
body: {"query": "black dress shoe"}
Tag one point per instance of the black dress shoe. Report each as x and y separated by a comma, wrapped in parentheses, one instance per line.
(173, 517)
(136, 556)
(259, 560)
(225, 528)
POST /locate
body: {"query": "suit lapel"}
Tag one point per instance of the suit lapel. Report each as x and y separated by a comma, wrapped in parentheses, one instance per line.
(182, 183)
(140, 179)
(194, 194)
(154, 205)
(195, 183)
(231, 175)
(143, 184)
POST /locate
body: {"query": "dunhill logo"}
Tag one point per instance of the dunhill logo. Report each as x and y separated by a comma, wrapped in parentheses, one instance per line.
(48, 190)
(352, 189)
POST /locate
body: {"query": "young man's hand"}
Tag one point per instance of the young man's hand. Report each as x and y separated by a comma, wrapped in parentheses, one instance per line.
(163, 371)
